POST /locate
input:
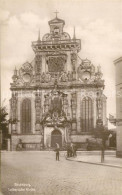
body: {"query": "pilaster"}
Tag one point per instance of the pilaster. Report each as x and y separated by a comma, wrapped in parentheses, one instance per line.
(43, 63)
(94, 113)
(68, 64)
(33, 113)
(78, 111)
(104, 111)
(19, 117)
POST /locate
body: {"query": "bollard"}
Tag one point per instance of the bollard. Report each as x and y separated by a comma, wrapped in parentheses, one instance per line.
(8, 145)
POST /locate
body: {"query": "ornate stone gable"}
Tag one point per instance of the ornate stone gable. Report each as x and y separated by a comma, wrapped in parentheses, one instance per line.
(87, 74)
(23, 77)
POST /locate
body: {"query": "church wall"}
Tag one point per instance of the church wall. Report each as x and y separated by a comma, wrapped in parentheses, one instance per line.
(74, 77)
(118, 66)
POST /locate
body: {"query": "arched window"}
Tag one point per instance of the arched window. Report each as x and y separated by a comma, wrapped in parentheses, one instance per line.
(87, 114)
(26, 116)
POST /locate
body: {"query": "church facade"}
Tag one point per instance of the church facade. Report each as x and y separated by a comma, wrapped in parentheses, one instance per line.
(58, 98)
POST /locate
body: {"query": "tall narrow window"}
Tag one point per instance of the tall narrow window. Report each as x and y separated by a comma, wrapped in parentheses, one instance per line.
(87, 114)
(26, 116)
(74, 105)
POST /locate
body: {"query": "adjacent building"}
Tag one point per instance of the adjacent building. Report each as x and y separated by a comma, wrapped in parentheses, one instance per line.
(58, 98)
(118, 65)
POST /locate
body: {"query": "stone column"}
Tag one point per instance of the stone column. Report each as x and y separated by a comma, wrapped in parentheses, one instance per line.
(8, 145)
(9, 130)
(43, 63)
(78, 111)
(42, 101)
(68, 64)
(104, 111)
(19, 118)
(74, 108)
(94, 113)
(69, 105)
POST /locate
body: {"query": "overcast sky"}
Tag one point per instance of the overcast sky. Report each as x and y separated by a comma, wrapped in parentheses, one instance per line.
(98, 24)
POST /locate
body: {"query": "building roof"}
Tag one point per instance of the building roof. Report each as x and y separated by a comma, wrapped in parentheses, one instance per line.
(118, 60)
(56, 20)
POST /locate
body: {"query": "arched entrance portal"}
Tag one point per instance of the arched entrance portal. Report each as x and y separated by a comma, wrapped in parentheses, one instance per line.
(56, 137)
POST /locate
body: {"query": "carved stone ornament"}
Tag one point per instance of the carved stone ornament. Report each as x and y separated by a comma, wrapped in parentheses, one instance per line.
(14, 107)
(98, 74)
(47, 37)
(61, 36)
(86, 72)
(55, 113)
(26, 72)
(65, 36)
(19, 82)
(56, 63)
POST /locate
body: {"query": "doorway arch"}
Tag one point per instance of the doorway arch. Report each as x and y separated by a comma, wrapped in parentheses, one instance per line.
(56, 137)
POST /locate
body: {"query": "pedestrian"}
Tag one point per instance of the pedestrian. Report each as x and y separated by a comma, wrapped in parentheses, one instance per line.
(57, 151)
(75, 151)
(68, 150)
(72, 149)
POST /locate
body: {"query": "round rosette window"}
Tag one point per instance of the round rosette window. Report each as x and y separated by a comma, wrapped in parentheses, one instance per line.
(27, 77)
(86, 75)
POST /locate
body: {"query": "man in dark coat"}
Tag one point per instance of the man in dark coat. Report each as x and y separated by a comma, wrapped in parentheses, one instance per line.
(57, 152)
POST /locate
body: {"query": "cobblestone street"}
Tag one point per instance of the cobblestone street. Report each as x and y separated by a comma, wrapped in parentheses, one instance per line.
(38, 173)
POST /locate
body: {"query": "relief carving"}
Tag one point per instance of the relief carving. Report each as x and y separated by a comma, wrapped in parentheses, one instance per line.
(56, 63)
(25, 72)
(55, 105)
(38, 107)
(14, 106)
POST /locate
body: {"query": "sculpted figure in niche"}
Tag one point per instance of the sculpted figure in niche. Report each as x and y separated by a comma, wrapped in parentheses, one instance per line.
(64, 77)
(70, 76)
(98, 74)
(43, 77)
(48, 77)
(92, 68)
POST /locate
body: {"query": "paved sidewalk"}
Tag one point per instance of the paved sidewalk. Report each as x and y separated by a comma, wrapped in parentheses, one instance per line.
(94, 157)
